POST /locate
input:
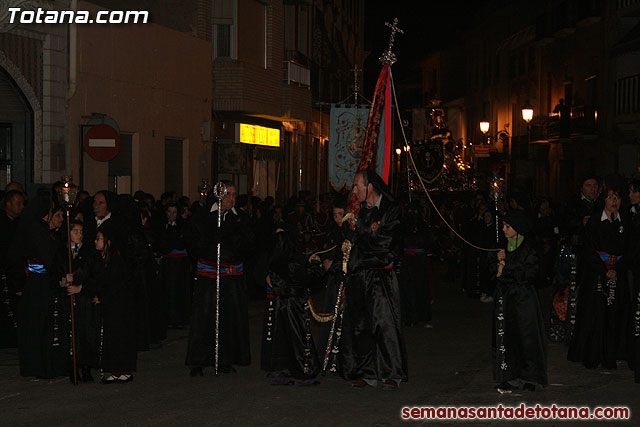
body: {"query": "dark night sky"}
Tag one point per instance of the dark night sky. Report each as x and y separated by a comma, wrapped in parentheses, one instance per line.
(428, 25)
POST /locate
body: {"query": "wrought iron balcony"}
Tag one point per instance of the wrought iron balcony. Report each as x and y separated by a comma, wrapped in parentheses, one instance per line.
(581, 124)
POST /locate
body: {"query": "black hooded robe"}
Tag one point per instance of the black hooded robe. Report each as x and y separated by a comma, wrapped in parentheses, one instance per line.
(519, 343)
(372, 345)
(634, 253)
(43, 312)
(175, 273)
(87, 314)
(600, 334)
(235, 237)
(111, 283)
(414, 280)
(287, 343)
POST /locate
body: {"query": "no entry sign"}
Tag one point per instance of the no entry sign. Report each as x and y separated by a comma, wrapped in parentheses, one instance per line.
(102, 143)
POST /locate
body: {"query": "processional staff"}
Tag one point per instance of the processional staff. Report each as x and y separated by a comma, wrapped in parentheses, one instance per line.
(67, 195)
(495, 192)
(220, 191)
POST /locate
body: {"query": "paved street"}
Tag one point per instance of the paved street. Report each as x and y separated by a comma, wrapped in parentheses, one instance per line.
(448, 365)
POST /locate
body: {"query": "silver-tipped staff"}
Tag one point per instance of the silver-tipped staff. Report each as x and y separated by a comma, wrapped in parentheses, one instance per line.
(346, 251)
(495, 192)
(220, 191)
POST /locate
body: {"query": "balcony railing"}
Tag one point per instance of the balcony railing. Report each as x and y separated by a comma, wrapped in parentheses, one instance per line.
(628, 95)
(297, 74)
(582, 123)
(626, 3)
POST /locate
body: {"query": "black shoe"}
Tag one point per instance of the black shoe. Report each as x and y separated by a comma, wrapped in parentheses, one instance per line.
(529, 387)
(109, 379)
(196, 372)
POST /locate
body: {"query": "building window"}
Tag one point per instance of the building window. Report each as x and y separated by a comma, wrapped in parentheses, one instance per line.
(5, 154)
(266, 35)
(303, 31)
(173, 165)
(223, 41)
(223, 14)
(290, 27)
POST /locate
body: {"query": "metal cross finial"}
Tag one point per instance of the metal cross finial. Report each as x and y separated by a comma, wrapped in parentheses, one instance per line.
(356, 86)
(388, 57)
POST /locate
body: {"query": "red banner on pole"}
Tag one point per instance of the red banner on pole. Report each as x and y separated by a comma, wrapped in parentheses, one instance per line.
(381, 103)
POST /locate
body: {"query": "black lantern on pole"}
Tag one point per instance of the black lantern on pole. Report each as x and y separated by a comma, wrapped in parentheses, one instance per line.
(67, 192)
(203, 189)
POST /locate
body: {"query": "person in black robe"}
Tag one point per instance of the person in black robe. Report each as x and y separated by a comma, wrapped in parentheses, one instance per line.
(43, 325)
(175, 268)
(87, 317)
(149, 300)
(151, 314)
(331, 260)
(236, 243)
(413, 275)
(288, 351)
(372, 349)
(634, 267)
(104, 210)
(111, 289)
(519, 345)
(600, 334)
(13, 204)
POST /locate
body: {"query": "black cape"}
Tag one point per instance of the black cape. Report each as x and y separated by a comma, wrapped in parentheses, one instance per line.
(236, 240)
(287, 343)
(519, 343)
(372, 345)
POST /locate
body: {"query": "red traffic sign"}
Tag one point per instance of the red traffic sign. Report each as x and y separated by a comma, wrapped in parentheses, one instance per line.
(102, 142)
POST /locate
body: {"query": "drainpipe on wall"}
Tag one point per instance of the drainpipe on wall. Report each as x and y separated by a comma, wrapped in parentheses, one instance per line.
(73, 47)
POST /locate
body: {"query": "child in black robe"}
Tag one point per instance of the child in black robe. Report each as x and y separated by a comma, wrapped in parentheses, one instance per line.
(111, 288)
(519, 344)
(288, 351)
(87, 321)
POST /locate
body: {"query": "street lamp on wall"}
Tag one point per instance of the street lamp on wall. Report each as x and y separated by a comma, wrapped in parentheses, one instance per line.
(527, 113)
(484, 127)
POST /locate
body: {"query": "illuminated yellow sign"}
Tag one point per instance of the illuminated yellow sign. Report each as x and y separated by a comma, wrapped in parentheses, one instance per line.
(259, 135)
